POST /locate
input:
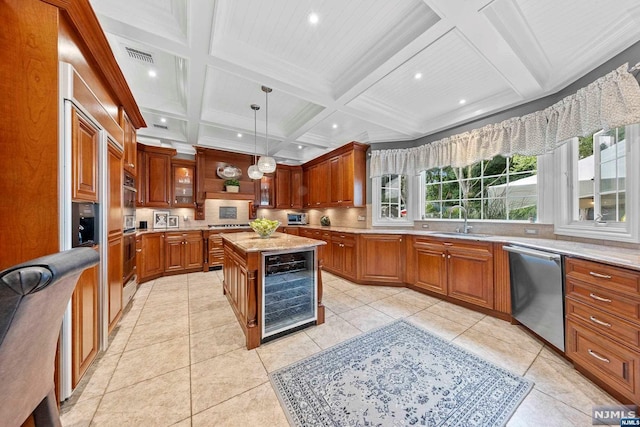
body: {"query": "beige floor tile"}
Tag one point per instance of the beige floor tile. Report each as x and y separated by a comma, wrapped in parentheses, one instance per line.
(159, 314)
(333, 331)
(366, 318)
(100, 375)
(416, 298)
(118, 341)
(159, 331)
(549, 353)
(184, 423)
(150, 361)
(214, 342)
(168, 282)
(343, 285)
(220, 314)
(390, 290)
(328, 290)
(164, 297)
(202, 277)
(555, 379)
(498, 352)
(538, 409)
(328, 313)
(203, 301)
(505, 331)
(328, 277)
(258, 406)
(160, 401)
(395, 307)
(437, 325)
(340, 302)
(455, 313)
(286, 350)
(367, 294)
(216, 380)
(80, 414)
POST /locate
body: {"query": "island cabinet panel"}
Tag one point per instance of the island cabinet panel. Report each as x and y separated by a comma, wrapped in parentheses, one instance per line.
(84, 150)
(382, 258)
(150, 258)
(502, 280)
(470, 273)
(84, 306)
(602, 307)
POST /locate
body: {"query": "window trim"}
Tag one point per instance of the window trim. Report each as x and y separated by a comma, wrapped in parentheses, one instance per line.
(407, 221)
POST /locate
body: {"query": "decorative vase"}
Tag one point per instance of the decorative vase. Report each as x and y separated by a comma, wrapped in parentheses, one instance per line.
(232, 188)
(325, 221)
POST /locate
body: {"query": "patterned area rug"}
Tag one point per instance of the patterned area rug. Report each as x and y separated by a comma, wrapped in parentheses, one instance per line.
(398, 375)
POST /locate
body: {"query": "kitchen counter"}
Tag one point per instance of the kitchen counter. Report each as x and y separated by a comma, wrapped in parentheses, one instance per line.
(251, 242)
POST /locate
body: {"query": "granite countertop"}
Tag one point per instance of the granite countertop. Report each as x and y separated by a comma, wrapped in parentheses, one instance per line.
(251, 242)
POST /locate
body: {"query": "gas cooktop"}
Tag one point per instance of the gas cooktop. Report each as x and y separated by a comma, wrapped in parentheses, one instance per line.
(229, 226)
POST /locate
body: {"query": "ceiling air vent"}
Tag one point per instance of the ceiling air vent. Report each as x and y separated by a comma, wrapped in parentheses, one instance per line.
(165, 127)
(139, 55)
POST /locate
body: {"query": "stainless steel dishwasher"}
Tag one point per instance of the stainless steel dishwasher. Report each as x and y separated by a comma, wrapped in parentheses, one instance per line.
(537, 292)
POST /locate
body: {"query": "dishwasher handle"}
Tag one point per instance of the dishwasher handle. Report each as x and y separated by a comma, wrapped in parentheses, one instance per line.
(532, 252)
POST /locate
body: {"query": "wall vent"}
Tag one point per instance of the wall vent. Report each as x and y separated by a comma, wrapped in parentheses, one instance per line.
(139, 55)
(165, 127)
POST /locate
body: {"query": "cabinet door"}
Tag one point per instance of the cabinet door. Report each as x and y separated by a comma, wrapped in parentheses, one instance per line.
(265, 192)
(141, 179)
(130, 145)
(158, 180)
(377, 247)
(84, 151)
(470, 273)
(183, 184)
(430, 271)
(337, 255)
(193, 251)
(114, 178)
(216, 253)
(335, 196)
(84, 323)
(297, 187)
(325, 251)
(346, 176)
(114, 279)
(173, 254)
(350, 266)
(322, 182)
(306, 188)
(151, 258)
(283, 188)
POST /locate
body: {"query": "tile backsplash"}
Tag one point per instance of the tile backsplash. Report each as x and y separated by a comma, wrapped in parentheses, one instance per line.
(211, 211)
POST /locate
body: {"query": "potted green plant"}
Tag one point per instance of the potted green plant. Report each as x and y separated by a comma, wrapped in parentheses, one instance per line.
(232, 185)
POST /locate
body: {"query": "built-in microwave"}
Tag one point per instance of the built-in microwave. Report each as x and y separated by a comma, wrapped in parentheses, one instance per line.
(296, 218)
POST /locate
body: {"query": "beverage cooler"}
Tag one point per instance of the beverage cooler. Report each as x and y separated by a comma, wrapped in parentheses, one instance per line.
(289, 293)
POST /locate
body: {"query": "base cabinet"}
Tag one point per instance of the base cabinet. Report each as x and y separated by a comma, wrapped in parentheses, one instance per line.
(377, 247)
(344, 255)
(184, 251)
(84, 307)
(428, 266)
(150, 256)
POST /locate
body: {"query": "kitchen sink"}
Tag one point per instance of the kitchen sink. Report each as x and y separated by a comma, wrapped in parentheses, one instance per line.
(459, 234)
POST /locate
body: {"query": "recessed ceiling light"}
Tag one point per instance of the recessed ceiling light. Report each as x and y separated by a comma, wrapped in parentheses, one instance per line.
(152, 73)
(335, 126)
(163, 120)
(299, 147)
(314, 18)
(417, 76)
(239, 135)
(463, 101)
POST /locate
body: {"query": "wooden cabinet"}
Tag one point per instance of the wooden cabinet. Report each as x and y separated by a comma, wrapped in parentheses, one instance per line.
(115, 255)
(344, 260)
(265, 192)
(155, 176)
(182, 183)
(183, 251)
(130, 144)
(603, 324)
(150, 256)
(291, 230)
(460, 269)
(84, 151)
(216, 252)
(114, 280)
(84, 307)
(114, 178)
(381, 258)
(288, 187)
(337, 179)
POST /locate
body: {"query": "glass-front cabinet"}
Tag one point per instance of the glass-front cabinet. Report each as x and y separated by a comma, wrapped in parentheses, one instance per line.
(289, 291)
(183, 184)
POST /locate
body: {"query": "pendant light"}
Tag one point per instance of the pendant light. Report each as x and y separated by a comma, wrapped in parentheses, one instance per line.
(253, 171)
(266, 164)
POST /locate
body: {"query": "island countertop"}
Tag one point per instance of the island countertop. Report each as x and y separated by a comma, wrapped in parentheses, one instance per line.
(251, 242)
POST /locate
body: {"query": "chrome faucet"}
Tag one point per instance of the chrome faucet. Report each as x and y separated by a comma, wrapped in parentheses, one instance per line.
(465, 228)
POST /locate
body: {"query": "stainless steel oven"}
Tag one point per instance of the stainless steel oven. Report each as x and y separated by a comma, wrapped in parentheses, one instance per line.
(129, 203)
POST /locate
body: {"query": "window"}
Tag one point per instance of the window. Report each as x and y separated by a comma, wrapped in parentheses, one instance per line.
(498, 189)
(599, 199)
(391, 201)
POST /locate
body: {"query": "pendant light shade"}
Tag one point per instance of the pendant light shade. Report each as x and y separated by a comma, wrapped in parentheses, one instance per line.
(253, 171)
(266, 164)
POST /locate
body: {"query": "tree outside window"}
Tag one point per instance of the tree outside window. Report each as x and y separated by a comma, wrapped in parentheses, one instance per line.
(393, 196)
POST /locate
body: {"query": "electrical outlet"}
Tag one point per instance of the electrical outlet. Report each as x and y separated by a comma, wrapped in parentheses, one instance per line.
(362, 218)
(530, 231)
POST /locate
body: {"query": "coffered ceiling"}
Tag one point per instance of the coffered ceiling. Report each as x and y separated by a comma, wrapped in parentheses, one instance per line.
(367, 70)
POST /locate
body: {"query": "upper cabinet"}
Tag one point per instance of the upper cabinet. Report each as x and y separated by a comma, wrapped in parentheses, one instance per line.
(338, 178)
(183, 179)
(84, 148)
(154, 179)
(289, 187)
(130, 144)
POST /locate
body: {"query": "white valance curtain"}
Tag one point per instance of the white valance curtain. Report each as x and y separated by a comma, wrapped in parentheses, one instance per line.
(611, 101)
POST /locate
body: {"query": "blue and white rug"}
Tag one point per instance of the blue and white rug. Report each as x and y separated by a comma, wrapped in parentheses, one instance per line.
(398, 375)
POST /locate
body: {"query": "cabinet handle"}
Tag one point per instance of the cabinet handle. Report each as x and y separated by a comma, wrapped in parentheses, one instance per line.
(597, 298)
(602, 276)
(448, 256)
(443, 255)
(597, 356)
(131, 165)
(138, 250)
(600, 322)
(448, 244)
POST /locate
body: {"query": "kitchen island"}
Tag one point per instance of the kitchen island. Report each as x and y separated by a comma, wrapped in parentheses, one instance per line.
(274, 285)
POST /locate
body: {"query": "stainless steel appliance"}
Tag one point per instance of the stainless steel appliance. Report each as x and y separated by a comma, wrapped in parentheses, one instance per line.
(289, 291)
(537, 292)
(84, 224)
(296, 218)
(129, 203)
(129, 277)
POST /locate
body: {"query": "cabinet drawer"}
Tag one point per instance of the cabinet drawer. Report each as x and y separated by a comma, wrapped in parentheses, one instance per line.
(613, 278)
(610, 302)
(612, 363)
(607, 324)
